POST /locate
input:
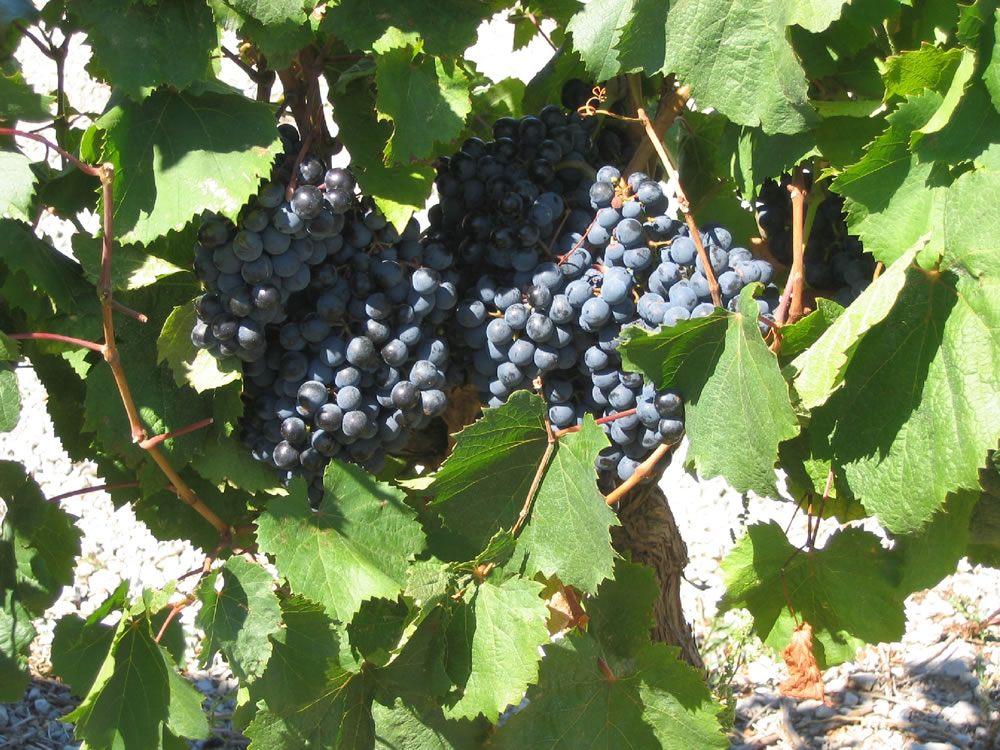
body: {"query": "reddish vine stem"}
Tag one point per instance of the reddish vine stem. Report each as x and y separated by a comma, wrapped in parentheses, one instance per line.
(129, 311)
(109, 349)
(609, 676)
(85, 168)
(642, 471)
(174, 611)
(86, 490)
(546, 37)
(536, 482)
(671, 105)
(41, 336)
(797, 276)
(157, 439)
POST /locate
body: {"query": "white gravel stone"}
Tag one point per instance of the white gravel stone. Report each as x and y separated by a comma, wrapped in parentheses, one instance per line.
(963, 713)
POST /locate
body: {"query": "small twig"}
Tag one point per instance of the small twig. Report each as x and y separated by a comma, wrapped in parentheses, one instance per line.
(643, 470)
(672, 104)
(536, 482)
(58, 337)
(251, 72)
(531, 17)
(46, 49)
(129, 311)
(86, 168)
(85, 490)
(157, 439)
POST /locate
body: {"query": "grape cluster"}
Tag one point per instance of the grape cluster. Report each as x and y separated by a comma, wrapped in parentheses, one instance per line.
(834, 260)
(347, 362)
(502, 200)
(626, 263)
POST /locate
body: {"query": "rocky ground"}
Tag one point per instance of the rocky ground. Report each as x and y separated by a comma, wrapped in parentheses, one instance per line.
(937, 688)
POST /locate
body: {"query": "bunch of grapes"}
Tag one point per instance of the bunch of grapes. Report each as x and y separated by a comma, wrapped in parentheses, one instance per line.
(834, 260)
(627, 263)
(337, 331)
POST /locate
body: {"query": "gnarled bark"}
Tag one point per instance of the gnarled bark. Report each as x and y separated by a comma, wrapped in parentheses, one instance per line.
(650, 534)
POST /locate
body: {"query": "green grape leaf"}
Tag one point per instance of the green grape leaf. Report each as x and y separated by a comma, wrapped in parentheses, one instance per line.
(47, 270)
(991, 74)
(848, 589)
(177, 154)
(758, 156)
(134, 696)
(376, 631)
(271, 11)
(16, 635)
(642, 47)
(10, 399)
(139, 46)
(890, 195)
(968, 134)
(817, 370)
(338, 717)
(430, 91)
(239, 617)
(417, 672)
(80, 647)
(38, 539)
(10, 349)
(483, 484)
(926, 376)
(190, 365)
(655, 701)
(18, 185)
(952, 96)
(19, 102)
(725, 48)
(802, 334)
(933, 552)
(596, 30)
(401, 725)
(226, 462)
(132, 267)
(569, 506)
(280, 41)
(737, 404)
(398, 191)
(621, 615)
(354, 548)
(929, 67)
(493, 645)
(447, 27)
(301, 653)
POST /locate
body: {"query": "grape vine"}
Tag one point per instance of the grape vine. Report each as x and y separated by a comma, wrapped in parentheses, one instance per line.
(437, 428)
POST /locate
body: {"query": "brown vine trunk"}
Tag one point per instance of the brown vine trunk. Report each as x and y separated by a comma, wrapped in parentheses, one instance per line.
(650, 534)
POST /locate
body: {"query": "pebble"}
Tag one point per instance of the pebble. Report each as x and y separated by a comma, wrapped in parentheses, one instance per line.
(808, 706)
(825, 712)
(862, 680)
(962, 713)
(851, 699)
(42, 706)
(4, 718)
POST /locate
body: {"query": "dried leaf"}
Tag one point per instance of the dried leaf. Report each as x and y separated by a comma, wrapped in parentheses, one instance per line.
(804, 678)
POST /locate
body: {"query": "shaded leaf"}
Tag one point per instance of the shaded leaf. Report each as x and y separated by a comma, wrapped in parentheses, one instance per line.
(238, 618)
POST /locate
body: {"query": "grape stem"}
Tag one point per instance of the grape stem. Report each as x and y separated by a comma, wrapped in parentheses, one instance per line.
(539, 473)
(602, 420)
(58, 337)
(156, 439)
(642, 471)
(85, 168)
(546, 37)
(86, 490)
